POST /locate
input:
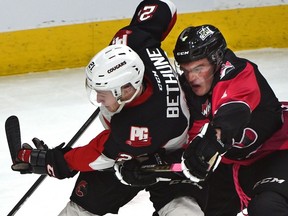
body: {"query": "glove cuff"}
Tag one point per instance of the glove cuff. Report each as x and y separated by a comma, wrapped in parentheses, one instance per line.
(37, 157)
(37, 161)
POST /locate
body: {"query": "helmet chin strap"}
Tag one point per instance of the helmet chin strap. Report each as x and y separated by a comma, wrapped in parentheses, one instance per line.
(132, 98)
(122, 103)
(119, 108)
(215, 77)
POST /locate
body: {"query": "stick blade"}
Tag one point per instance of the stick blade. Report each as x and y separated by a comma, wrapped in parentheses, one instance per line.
(12, 128)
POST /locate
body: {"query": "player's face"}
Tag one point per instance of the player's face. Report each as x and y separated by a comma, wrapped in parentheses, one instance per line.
(107, 99)
(199, 75)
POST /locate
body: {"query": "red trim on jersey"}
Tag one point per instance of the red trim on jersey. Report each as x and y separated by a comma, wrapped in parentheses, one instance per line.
(144, 96)
(195, 129)
(170, 26)
(243, 87)
(79, 158)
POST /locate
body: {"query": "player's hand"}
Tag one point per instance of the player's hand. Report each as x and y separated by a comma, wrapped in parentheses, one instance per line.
(41, 160)
(22, 163)
(203, 155)
(130, 172)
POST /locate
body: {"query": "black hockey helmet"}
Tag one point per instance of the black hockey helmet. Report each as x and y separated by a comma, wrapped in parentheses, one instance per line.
(198, 42)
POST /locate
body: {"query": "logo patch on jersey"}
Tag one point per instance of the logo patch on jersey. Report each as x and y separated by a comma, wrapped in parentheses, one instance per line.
(226, 68)
(206, 108)
(139, 137)
(81, 189)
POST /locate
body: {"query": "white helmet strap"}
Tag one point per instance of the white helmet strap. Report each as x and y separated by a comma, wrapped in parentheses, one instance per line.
(122, 103)
(132, 98)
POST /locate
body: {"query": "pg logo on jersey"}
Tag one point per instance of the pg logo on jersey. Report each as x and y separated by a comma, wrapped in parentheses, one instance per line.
(139, 137)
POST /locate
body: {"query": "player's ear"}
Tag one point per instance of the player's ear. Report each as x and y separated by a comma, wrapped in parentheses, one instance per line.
(128, 89)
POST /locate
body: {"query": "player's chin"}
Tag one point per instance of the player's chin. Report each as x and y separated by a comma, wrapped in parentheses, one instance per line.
(112, 108)
(198, 90)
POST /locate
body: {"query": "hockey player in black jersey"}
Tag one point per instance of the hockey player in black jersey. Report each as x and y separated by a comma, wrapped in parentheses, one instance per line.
(241, 148)
(146, 120)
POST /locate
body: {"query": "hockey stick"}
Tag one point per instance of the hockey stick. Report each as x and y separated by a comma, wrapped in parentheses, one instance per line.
(42, 177)
(13, 136)
(175, 167)
(155, 168)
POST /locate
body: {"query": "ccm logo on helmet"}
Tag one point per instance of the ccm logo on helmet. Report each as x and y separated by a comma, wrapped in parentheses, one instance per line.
(116, 67)
(182, 53)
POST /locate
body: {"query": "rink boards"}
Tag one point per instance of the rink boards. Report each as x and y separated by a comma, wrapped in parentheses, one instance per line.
(71, 46)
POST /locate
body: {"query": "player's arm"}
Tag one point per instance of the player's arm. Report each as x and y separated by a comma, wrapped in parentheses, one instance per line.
(231, 116)
(42, 160)
(90, 157)
(62, 162)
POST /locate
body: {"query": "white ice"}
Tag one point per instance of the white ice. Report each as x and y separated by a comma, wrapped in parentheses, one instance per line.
(53, 106)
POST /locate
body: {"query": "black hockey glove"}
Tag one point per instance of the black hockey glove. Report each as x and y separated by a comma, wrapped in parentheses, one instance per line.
(24, 167)
(43, 160)
(203, 154)
(130, 172)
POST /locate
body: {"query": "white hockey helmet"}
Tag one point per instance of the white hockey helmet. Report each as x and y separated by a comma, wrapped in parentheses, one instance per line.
(112, 68)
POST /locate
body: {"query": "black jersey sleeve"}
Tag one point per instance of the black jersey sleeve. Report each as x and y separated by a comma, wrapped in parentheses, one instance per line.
(151, 23)
(231, 118)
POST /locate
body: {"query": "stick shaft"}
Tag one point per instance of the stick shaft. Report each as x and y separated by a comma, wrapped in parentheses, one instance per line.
(42, 177)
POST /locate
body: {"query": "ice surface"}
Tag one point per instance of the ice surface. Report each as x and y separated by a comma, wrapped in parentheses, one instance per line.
(53, 106)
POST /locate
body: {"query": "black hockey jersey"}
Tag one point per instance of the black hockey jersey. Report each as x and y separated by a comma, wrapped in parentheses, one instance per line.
(159, 118)
(241, 103)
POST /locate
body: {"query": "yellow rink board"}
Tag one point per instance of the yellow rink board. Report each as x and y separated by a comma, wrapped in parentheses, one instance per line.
(72, 46)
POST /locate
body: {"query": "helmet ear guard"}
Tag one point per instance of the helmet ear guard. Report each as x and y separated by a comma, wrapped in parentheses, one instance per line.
(195, 43)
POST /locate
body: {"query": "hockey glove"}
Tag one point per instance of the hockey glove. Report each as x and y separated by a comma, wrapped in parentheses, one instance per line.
(203, 154)
(43, 160)
(22, 161)
(130, 172)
